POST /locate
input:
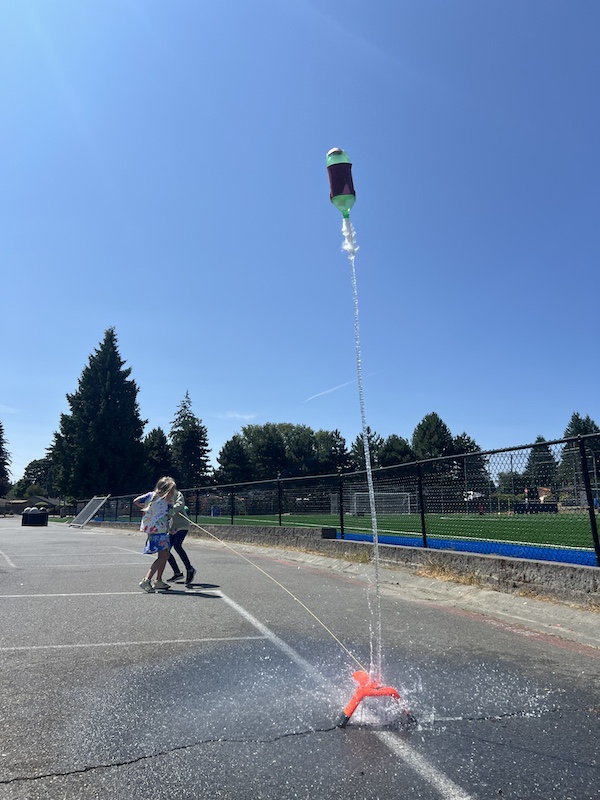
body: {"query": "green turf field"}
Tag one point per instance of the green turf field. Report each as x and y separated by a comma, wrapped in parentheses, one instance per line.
(563, 530)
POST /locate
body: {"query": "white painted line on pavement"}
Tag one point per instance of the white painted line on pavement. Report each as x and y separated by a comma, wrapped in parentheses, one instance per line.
(159, 642)
(447, 789)
(272, 637)
(7, 559)
(139, 592)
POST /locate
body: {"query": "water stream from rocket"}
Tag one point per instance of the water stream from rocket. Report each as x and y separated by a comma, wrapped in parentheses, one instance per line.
(350, 247)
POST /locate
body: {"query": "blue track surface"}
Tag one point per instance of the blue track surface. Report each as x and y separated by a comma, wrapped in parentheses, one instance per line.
(565, 555)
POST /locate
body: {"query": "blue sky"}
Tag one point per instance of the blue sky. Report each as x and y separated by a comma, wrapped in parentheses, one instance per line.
(164, 173)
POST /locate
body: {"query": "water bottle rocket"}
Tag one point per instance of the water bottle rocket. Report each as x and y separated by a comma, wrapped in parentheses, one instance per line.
(341, 188)
(343, 196)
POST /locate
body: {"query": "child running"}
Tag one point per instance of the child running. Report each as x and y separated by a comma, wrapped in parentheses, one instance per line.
(180, 527)
(156, 506)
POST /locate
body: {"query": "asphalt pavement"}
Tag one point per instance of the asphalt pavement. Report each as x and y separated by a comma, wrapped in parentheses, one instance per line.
(232, 688)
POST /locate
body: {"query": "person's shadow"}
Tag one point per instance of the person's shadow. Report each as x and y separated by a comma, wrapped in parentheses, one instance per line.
(183, 589)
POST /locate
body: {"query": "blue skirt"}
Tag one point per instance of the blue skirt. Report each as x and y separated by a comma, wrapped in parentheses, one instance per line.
(156, 542)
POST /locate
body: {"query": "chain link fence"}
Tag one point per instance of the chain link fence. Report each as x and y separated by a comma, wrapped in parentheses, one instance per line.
(537, 501)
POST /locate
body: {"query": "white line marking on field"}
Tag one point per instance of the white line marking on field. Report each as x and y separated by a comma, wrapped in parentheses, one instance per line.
(448, 789)
(159, 643)
(7, 559)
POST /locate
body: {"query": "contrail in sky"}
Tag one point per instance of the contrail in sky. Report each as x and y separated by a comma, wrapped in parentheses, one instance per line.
(335, 388)
(329, 391)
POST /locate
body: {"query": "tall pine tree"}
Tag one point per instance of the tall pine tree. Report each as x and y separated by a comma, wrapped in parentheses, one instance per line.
(98, 449)
(357, 450)
(189, 447)
(159, 460)
(4, 464)
(569, 471)
(432, 438)
(541, 469)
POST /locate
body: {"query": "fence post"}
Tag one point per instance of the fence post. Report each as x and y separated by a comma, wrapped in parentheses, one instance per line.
(279, 496)
(590, 499)
(422, 504)
(232, 499)
(341, 471)
(197, 498)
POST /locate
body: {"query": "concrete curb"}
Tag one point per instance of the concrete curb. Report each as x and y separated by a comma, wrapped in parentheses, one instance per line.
(568, 583)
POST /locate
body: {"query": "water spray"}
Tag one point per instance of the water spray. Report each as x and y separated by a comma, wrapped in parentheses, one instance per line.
(343, 197)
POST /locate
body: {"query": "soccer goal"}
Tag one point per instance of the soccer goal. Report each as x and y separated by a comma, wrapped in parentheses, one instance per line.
(385, 503)
(89, 510)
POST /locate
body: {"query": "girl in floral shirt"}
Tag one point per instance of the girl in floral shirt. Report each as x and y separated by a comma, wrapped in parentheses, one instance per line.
(157, 507)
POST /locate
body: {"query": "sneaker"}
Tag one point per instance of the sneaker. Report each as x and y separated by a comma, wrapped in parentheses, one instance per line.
(161, 585)
(146, 586)
(190, 575)
(175, 577)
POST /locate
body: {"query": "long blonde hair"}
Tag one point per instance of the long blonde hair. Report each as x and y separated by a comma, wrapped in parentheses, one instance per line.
(164, 487)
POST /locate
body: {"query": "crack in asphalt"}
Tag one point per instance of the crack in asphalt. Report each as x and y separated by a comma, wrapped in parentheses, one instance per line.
(168, 751)
(492, 717)
(425, 726)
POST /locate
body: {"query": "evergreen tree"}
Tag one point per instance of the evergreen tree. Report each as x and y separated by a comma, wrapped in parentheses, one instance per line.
(98, 449)
(331, 452)
(261, 452)
(432, 438)
(541, 468)
(234, 464)
(159, 460)
(395, 450)
(357, 450)
(4, 464)
(569, 472)
(189, 447)
(580, 426)
(473, 469)
(511, 483)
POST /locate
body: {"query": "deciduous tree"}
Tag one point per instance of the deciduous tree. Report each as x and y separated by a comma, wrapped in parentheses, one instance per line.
(39, 473)
(234, 464)
(331, 452)
(265, 447)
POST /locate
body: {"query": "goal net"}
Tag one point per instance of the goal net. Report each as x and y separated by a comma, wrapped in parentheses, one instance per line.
(88, 511)
(385, 503)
